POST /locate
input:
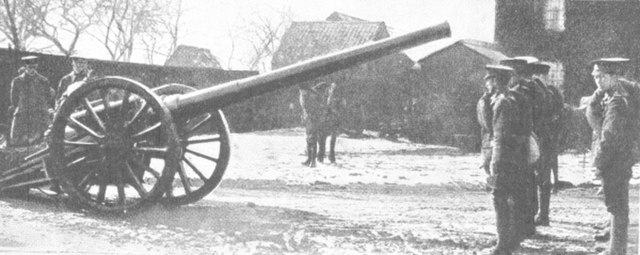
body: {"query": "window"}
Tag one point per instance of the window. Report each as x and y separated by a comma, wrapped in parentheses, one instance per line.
(554, 15)
(556, 74)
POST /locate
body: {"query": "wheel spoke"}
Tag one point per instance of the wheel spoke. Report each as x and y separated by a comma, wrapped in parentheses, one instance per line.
(105, 102)
(185, 181)
(93, 113)
(136, 183)
(201, 155)
(195, 169)
(124, 108)
(77, 124)
(121, 195)
(77, 161)
(154, 151)
(137, 115)
(81, 144)
(146, 168)
(101, 192)
(200, 123)
(215, 138)
(146, 131)
(85, 180)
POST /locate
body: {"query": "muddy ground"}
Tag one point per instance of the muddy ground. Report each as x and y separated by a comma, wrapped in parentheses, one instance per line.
(382, 197)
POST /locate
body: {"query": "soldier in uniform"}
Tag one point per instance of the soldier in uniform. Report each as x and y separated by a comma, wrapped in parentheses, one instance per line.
(508, 158)
(530, 101)
(312, 104)
(81, 71)
(31, 104)
(548, 133)
(612, 112)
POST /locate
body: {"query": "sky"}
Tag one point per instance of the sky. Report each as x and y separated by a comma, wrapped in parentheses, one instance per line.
(209, 23)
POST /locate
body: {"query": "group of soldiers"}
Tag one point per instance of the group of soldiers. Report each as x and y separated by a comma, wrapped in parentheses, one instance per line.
(33, 100)
(518, 111)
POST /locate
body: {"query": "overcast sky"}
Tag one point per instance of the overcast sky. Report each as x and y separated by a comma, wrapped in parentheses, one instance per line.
(208, 23)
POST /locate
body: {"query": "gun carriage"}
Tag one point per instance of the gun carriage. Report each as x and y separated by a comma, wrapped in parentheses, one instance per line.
(116, 146)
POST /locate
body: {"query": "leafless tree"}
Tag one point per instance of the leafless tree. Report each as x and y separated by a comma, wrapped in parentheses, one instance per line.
(12, 24)
(61, 22)
(262, 33)
(123, 23)
(168, 25)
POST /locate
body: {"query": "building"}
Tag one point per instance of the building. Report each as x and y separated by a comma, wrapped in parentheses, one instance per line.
(190, 56)
(568, 34)
(372, 92)
(449, 83)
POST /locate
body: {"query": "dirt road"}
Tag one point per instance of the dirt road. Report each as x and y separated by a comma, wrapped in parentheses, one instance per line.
(381, 198)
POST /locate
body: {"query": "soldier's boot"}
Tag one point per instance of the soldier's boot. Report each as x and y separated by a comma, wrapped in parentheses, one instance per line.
(619, 234)
(503, 228)
(542, 219)
(311, 156)
(332, 148)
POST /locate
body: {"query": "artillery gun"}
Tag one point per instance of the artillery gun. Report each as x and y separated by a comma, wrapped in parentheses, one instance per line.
(116, 146)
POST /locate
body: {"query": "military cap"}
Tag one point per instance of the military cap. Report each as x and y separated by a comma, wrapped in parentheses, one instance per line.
(518, 65)
(498, 70)
(78, 59)
(540, 68)
(610, 65)
(29, 60)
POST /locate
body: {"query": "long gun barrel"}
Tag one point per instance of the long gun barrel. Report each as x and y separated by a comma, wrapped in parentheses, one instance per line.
(216, 97)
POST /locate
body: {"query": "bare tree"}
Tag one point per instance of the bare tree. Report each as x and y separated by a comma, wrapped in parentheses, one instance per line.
(169, 24)
(123, 23)
(262, 33)
(60, 22)
(12, 24)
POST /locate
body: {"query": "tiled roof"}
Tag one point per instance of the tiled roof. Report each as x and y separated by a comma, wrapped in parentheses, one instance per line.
(305, 40)
(190, 56)
(338, 16)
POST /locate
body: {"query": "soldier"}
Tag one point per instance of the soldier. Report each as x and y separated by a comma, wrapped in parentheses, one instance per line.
(531, 100)
(312, 104)
(508, 158)
(612, 112)
(31, 104)
(548, 134)
(81, 71)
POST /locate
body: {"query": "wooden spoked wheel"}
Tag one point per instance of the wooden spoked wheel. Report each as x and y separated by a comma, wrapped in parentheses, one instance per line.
(114, 146)
(204, 138)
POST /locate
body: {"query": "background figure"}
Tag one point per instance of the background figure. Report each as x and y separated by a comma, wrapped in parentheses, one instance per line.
(321, 119)
(613, 112)
(548, 135)
(81, 71)
(31, 105)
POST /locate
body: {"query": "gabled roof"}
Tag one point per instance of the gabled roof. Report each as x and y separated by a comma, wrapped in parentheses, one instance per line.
(486, 49)
(190, 56)
(338, 16)
(305, 40)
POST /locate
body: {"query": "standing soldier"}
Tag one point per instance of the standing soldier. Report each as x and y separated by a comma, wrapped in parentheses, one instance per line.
(531, 101)
(549, 136)
(81, 71)
(31, 104)
(612, 112)
(508, 158)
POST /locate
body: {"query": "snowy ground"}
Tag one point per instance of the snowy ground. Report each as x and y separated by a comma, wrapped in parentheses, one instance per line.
(381, 197)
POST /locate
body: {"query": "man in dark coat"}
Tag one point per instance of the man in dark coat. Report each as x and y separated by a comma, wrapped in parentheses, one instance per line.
(612, 112)
(31, 105)
(548, 134)
(531, 101)
(508, 158)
